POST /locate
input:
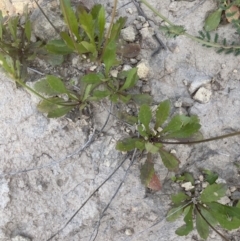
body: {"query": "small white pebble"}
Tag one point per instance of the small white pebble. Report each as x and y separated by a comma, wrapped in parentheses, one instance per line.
(159, 129)
(129, 10)
(173, 151)
(114, 73)
(92, 68)
(201, 178)
(205, 184)
(187, 186)
(128, 232)
(233, 189)
(223, 66)
(235, 71)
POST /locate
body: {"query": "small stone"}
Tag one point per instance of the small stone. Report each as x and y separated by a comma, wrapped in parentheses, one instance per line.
(198, 82)
(224, 200)
(187, 186)
(173, 151)
(201, 178)
(129, 10)
(145, 25)
(205, 184)
(173, 6)
(159, 129)
(133, 61)
(92, 68)
(128, 33)
(146, 88)
(232, 189)
(235, 71)
(187, 102)
(185, 82)
(20, 238)
(203, 95)
(126, 67)
(128, 231)
(223, 66)
(143, 70)
(236, 195)
(141, 19)
(114, 73)
(178, 104)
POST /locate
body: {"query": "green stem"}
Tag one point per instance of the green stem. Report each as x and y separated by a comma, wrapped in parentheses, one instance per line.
(157, 13)
(199, 141)
(109, 29)
(39, 95)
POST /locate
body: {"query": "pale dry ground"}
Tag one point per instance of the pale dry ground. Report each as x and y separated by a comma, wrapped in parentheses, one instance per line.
(42, 184)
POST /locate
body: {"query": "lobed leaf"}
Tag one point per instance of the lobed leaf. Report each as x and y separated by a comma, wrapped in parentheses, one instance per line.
(131, 79)
(151, 148)
(210, 176)
(188, 227)
(202, 226)
(58, 46)
(127, 144)
(93, 78)
(162, 113)
(169, 160)
(179, 198)
(145, 116)
(213, 193)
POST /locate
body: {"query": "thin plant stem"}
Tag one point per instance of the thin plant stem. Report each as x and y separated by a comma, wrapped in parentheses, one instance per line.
(199, 141)
(110, 27)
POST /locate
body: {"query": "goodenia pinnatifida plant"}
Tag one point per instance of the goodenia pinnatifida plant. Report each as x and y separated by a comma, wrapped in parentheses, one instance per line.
(202, 206)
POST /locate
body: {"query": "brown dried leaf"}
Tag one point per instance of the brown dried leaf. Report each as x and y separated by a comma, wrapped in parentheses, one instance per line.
(232, 13)
(154, 183)
(128, 50)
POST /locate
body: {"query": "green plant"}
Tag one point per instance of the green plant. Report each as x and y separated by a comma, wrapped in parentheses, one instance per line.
(86, 34)
(94, 87)
(203, 205)
(173, 30)
(16, 48)
(150, 135)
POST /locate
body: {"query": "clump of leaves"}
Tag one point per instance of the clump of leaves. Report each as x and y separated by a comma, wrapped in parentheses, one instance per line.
(16, 48)
(203, 206)
(86, 33)
(153, 132)
(94, 87)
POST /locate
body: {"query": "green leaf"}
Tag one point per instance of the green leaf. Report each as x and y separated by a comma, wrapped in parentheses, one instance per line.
(67, 39)
(176, 123)
(210, 217)
(169, 160)
(58, 46)
(58, 112)
(126, 144)
(147, 171)
(53, 107)
(86, 47)
(131, 79)
(70, 18)
(51, 85)
(202, 226)
(213, 192)
(182, 127)
(162, 113)
(124, 116)
(179, 198)
(93, 78)
(210, 176)
(189, 177)
(142, 130)
(116, 28)
(141, 99)
(151, 148)
(145, 116)
(174, 213)
(140, 144)
(109, 56)
(1, 24)
(87, 24)
(188, 227)
(225, 210)
(213, 20)
(28, 29)
(12, 26)
(124, 99)
(100, 94)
